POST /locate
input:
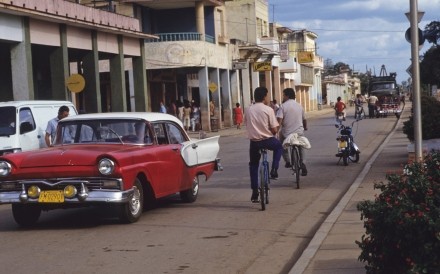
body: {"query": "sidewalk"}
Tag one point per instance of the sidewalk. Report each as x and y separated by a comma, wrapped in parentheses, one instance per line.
(333, 248)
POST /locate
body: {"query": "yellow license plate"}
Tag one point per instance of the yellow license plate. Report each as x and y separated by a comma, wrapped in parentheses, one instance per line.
(343, 144)
(51, 196)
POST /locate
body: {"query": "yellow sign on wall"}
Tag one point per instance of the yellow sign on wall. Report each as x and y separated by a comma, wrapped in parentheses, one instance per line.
(76, 83)
(305, 57)
(262, 66)
(212, 87)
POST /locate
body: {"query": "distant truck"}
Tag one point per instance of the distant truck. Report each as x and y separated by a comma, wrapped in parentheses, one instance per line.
(385, 88)
(23, 123)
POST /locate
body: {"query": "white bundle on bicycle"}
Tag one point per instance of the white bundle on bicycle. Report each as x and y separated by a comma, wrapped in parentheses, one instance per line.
(295, 139)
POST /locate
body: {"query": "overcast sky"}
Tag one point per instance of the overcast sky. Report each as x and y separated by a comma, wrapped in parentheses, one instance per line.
(363, 34)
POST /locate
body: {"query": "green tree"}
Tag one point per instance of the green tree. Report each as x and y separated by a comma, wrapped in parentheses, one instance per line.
(432, 32)
(430, 120)
(430, 67)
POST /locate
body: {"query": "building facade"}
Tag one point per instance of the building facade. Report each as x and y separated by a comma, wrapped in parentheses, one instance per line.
(135, 54)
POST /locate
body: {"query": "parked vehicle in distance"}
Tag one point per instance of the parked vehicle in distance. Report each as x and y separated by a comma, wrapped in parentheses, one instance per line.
(121, 160)
(23, 123)
(385, 88)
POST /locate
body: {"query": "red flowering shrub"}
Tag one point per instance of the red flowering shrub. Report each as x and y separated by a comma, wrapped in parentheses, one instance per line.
(403, 222)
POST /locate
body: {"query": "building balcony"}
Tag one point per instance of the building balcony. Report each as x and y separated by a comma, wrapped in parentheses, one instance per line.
(289, 66)
(186, 51)
(181, 36)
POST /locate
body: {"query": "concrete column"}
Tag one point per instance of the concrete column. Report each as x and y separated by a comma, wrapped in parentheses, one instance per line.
(204, 98)
(59, 68)
(235, 87)
(277, 84)
(140, 80)
(247, 89)
(117, 78)
(255, 80)
(269, 85)
(226, 98)
(21, 66)
(92, 90)
(214, 77)
(200, 19)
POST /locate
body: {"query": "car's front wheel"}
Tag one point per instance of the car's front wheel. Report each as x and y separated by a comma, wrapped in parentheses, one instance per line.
(190, 195)
(26, 215)
(131, 212)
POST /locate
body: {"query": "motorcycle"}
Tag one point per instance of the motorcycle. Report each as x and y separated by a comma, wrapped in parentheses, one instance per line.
(348, 151)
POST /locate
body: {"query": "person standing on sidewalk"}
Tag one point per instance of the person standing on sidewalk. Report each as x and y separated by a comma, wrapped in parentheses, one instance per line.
(238, 115)
(261, 126)
(292, 119)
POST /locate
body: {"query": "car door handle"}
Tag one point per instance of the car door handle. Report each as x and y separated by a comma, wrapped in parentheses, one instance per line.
(194, 146)
(175, 148)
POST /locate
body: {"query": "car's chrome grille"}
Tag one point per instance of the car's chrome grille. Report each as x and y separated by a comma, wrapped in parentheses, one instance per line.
(61, 183)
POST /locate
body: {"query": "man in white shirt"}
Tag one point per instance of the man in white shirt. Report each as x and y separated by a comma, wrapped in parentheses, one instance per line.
(292, 119)
(51, 128)
(372, 100)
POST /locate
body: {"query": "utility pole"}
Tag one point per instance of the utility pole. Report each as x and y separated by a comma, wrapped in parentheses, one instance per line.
(413, 10)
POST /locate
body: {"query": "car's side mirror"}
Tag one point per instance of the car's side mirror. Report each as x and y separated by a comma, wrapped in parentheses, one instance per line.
(26, 127)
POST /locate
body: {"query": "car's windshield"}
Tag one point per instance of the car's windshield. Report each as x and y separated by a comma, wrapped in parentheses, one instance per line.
(7, 121)
(103, 131)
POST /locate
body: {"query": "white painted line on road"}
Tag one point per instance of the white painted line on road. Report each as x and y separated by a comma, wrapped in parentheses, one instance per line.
(310, 251)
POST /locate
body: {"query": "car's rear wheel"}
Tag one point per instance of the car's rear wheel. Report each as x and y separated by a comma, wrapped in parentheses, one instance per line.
(131, 212)
(190, 195)
(26, 215)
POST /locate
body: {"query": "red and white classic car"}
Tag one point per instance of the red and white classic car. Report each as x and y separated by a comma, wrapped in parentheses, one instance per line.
(123, 160)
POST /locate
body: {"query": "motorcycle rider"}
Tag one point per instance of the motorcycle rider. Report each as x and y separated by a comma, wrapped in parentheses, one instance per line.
(340, 108)
(292, 119)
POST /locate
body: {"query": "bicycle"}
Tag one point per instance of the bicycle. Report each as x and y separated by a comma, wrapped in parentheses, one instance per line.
(295, 162)
(264, 180)
(359, 113)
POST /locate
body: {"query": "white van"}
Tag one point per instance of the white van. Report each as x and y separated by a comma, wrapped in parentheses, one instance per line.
(23, 123)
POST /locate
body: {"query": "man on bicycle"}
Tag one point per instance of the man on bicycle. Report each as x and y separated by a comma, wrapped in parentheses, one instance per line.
(261, 126)
(292, 119)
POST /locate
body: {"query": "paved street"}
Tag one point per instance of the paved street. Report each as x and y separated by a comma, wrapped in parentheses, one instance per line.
(222, 232)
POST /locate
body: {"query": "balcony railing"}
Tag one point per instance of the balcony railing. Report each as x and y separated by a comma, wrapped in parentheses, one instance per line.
(181, 36)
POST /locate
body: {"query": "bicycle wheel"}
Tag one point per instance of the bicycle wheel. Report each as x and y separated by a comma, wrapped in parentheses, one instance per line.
(264, 173)
(295, 162)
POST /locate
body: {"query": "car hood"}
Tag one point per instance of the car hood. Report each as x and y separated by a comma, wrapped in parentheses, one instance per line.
(82, 155)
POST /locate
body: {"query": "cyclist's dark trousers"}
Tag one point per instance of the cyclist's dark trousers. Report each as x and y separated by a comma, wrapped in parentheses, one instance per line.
(254, 155)
(371, 110)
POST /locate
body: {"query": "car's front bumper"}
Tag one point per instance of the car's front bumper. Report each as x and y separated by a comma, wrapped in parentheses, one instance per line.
(87, 192)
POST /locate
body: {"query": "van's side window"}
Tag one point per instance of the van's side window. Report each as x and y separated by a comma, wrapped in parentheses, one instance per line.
(26, 120)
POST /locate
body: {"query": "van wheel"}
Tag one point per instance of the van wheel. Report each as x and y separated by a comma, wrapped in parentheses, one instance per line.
(26, 215)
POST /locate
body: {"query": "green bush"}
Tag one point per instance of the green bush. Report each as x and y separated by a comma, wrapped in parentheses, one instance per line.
(430, 108)
(403, 222)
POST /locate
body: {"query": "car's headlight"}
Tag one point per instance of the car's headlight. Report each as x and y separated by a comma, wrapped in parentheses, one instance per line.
(5, 168)
(106, 166)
